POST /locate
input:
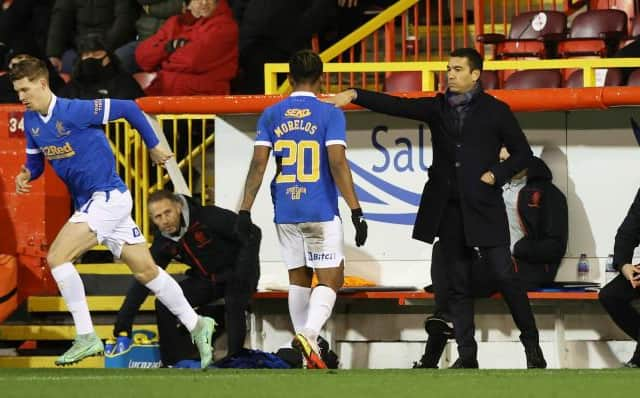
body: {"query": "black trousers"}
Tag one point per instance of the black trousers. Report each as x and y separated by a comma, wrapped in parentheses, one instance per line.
(459, 258)
(616, 299)
(175, 340)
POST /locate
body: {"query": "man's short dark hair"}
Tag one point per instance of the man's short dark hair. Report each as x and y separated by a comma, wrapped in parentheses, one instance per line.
(473, 57)
(162, 194)
(27, 66)
(305, 66)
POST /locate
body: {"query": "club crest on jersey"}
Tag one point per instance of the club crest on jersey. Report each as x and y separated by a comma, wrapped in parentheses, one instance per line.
(61, 130)
(296, 192)
(299, 113)
(35, 131)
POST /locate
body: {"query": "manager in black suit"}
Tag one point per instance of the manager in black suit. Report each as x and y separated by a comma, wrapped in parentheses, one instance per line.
(462, 200)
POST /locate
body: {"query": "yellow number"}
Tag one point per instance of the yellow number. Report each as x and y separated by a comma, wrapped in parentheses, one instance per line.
(296, 153)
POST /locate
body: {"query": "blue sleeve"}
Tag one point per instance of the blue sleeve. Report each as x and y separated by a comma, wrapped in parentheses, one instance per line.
(336, 128)
(101, 111)
(35, 165)
(263, 136)
(130, 111)
(35, 157)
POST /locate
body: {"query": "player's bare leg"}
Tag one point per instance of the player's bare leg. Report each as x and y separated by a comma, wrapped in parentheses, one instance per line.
(73, 240)
(321, 302)
(167, 290)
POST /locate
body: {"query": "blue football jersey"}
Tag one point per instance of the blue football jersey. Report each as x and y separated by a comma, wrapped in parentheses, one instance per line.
(298, 129)
(71, 138)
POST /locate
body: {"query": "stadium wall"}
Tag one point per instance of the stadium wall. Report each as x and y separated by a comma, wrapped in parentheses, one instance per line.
(594, 158)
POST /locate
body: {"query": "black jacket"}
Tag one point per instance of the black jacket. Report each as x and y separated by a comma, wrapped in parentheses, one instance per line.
(112, 82)
(628, 235)
(282, 25)
(209, 246)
(211, 250)
(114, 19)
(542, 209)
(461, 159)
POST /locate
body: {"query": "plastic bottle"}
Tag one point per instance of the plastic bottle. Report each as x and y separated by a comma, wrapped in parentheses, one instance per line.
(583, 268)
(609, 271)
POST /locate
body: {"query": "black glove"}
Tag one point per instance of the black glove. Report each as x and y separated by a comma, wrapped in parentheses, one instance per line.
(243, 225)
(174, 44)
(361, 226)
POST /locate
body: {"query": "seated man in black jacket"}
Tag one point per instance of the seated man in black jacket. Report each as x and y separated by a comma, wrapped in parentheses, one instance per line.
(538, 228)
(220, 267)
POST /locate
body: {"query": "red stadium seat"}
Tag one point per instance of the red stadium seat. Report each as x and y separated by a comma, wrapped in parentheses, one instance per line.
(595, 33)
(526, 79)
(575, 79)
(529, 36)
(630, 7)
(634, 78)
(403, 82)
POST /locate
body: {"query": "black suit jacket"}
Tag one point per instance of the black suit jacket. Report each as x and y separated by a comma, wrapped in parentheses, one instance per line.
(461, 159)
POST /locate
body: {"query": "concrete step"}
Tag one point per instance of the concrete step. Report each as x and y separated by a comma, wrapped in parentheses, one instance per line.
(96, 304)
(121, 269)
(58, 332)
(47, 362)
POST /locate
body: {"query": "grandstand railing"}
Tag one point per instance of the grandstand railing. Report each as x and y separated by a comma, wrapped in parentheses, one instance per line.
(189, 136)
(423, 30)
(429, 69)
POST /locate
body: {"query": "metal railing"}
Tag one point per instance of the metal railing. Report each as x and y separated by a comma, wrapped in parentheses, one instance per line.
(190, 137)
(430, 69)
(423, 30)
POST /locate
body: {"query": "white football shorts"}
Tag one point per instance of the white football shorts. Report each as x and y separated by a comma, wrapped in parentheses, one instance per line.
(109, 216)
(312, 244)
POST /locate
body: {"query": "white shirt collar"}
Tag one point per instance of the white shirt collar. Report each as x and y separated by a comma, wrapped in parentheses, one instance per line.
(52, 104)
(302, 94)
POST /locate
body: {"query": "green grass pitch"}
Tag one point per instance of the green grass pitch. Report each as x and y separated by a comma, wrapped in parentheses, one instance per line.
(124, 383)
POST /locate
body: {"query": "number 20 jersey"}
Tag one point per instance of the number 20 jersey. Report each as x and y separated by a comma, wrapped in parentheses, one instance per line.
(298, 129)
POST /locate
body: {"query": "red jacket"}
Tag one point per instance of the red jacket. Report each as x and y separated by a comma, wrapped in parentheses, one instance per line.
(204, 65)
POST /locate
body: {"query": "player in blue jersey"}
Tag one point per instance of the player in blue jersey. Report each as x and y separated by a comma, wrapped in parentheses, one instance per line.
(308, 140)
(68, 133)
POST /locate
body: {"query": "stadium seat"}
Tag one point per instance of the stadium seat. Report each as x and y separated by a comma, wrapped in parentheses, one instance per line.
(526, 79)
(634, 78)
(575, 79)
(398, 82)
(403, 82)
(630, 7)
(532, 34)
(595, 33)
(144, 79)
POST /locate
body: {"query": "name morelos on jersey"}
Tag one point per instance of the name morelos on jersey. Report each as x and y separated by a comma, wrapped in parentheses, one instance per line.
(298, 129)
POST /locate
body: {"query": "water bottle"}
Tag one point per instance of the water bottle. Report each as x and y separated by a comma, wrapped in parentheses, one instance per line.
(609, 271)
(123, 342)
(583, 268)
(109, 346)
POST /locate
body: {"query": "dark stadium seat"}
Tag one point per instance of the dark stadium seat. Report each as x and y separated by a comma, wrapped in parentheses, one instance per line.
(630, 7)
(595, 33)
(525, 79)
(530, 35)
(575, 79)
(634, 78)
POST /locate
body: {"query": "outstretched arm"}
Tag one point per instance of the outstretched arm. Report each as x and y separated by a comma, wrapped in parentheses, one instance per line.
(422, 109)
(130, 111)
